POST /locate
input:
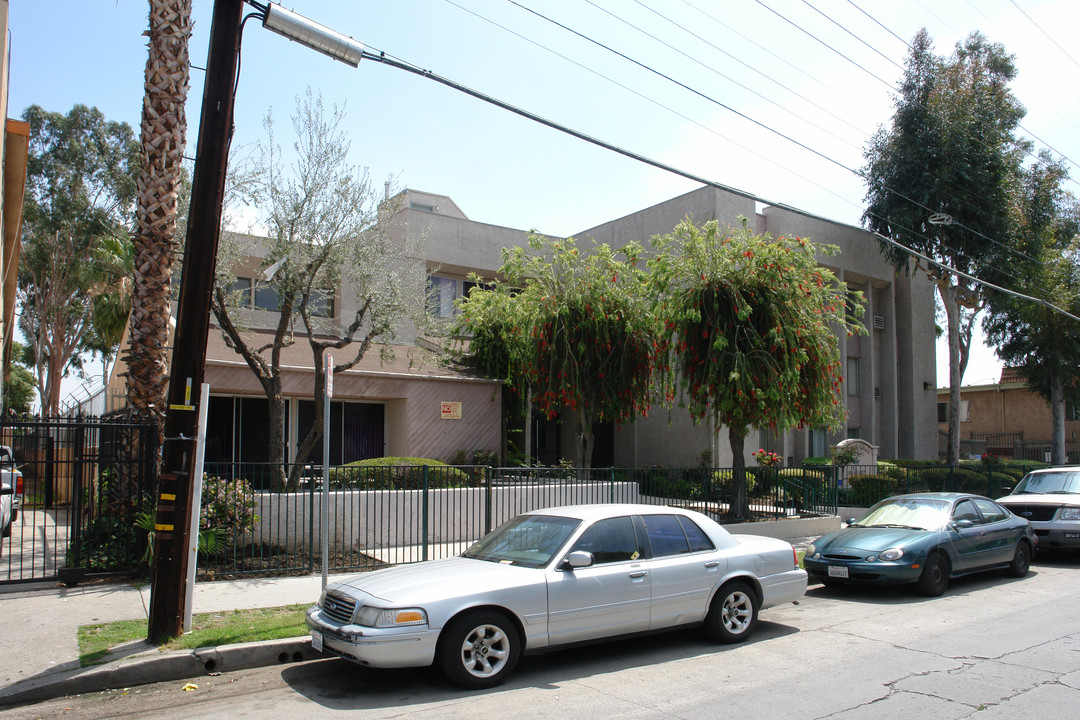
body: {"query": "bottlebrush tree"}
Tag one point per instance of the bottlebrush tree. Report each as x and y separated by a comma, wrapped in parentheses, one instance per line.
(571, 329)
(749, 322)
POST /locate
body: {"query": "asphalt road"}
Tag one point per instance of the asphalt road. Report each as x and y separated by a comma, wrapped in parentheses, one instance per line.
(990, 648)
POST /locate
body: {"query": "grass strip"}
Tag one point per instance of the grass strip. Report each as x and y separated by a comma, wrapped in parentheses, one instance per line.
(207, 630)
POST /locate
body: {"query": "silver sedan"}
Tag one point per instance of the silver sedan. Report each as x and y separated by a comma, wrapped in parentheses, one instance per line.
(554, 577)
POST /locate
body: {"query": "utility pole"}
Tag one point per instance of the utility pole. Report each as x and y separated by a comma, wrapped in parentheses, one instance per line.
(172, 537)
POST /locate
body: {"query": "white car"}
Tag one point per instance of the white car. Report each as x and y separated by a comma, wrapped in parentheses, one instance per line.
(1050, 500)
(10, 491)
(556, 577)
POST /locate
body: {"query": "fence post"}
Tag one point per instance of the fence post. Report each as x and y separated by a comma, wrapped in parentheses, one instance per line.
(424, 518)
(487, 500)
(75, 530)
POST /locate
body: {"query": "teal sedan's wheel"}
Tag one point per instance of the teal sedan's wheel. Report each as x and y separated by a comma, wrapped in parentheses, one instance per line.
(935, 575)
(1021, 561)
(733, 613)
(479, 649)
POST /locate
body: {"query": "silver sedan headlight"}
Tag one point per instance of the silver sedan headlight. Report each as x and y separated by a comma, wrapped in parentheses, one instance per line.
(1069, 513)
(369, 616)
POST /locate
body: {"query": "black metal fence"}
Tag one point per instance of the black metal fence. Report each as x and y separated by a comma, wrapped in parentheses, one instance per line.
(271, 516)
(84, 482)
(862, 486)
(87, 489)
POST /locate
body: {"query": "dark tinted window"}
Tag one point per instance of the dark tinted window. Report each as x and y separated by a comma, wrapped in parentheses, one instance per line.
(610, 540)
(965, 510)
(991, 511)
(666, 535)
(695, 536)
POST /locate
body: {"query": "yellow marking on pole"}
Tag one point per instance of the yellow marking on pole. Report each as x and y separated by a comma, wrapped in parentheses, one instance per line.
(163, 528)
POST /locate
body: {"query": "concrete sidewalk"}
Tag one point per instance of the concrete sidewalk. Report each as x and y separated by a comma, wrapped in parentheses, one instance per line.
(39, 624)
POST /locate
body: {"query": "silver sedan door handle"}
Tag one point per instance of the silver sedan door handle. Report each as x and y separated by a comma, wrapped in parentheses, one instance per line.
(712, 563)
(638, 574)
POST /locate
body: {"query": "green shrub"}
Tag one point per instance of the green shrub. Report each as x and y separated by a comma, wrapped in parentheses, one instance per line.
(228, 505)
(868, 489)
(801, 487)
(817, 461)
(398, 473)
(723, 482)
(671, 483)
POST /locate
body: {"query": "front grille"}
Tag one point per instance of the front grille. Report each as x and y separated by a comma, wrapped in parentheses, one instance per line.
(339, 607)
(1035, 513)
(841, 556)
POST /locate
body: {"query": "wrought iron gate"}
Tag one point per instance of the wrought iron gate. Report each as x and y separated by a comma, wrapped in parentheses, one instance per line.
(84, 482)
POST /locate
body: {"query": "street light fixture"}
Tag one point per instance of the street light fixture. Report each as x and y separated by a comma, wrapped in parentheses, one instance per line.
(310, 33)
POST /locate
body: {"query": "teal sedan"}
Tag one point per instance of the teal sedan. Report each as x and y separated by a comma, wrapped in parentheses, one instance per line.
(924, 538)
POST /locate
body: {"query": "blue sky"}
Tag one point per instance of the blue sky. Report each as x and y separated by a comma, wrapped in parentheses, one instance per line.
(747, 55)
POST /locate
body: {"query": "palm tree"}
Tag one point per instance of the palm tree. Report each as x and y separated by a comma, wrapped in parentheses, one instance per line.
(164, 130)
(114, 266)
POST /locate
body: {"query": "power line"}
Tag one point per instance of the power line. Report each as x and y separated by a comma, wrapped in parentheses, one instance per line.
(1048, 37)
(385, 59)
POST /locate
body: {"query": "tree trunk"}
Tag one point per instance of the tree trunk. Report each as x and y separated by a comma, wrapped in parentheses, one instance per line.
(163, 136)
(1058, 455)
(952, 314)
(275, 426)
(585, 439)
(740, 502)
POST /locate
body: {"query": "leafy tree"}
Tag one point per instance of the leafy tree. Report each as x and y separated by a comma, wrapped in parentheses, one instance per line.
(81, 171)
(329, 249)
(750, 321)
(570, 329)
(1041, 342)
(19, 385)
(951, 149)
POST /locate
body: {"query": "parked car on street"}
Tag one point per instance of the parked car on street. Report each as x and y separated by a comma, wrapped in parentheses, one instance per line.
(10, 491)
(1050, 500)
(926, 539)
(552, 578)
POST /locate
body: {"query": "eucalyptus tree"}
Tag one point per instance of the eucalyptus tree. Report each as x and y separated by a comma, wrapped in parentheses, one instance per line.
(81, 180)
(941, 179)
(1036, 338)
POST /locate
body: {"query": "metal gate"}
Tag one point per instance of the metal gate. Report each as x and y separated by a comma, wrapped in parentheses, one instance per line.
(84, 483)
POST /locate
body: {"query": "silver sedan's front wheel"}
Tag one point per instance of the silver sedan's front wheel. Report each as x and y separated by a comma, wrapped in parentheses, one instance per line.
(733, 613)
(479, 649)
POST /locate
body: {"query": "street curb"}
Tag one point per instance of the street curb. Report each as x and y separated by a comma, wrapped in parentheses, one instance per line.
(154, 666)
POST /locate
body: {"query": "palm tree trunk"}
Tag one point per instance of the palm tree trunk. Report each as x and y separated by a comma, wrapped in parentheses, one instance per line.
(164, 130)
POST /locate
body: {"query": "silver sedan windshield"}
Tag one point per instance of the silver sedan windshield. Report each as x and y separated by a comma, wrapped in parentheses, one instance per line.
(527, 540)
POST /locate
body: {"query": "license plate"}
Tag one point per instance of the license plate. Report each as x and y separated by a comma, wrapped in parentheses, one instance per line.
(837, 571)
(316, 641)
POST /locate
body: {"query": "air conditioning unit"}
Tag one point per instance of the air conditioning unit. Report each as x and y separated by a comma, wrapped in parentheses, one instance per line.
(877, 393)
(879, 322)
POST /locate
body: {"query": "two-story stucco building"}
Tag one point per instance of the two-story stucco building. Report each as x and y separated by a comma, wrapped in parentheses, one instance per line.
(417, 407)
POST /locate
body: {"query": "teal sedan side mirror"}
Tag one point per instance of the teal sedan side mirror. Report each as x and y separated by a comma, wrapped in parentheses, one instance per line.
(963, 525)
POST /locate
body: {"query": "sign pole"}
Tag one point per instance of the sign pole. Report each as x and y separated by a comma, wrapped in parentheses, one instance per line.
(328, 394)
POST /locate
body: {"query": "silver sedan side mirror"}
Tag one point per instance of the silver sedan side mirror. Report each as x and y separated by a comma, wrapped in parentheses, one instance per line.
(577, 559)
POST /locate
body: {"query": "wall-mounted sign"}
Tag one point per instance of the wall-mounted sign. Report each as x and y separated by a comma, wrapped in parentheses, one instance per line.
(450, 410)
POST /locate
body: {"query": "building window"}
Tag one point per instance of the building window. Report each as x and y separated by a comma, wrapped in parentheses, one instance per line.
(1072, 412)
(321, 303)
(266, 298)
(853, 386)
(422, 207)
(242, 288)
(943, 411)
(818, 441)
(854, 433)
(441, 294)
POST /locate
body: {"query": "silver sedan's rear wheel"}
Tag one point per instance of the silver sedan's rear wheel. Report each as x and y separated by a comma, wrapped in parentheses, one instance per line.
(733, 613)
(479, 649)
